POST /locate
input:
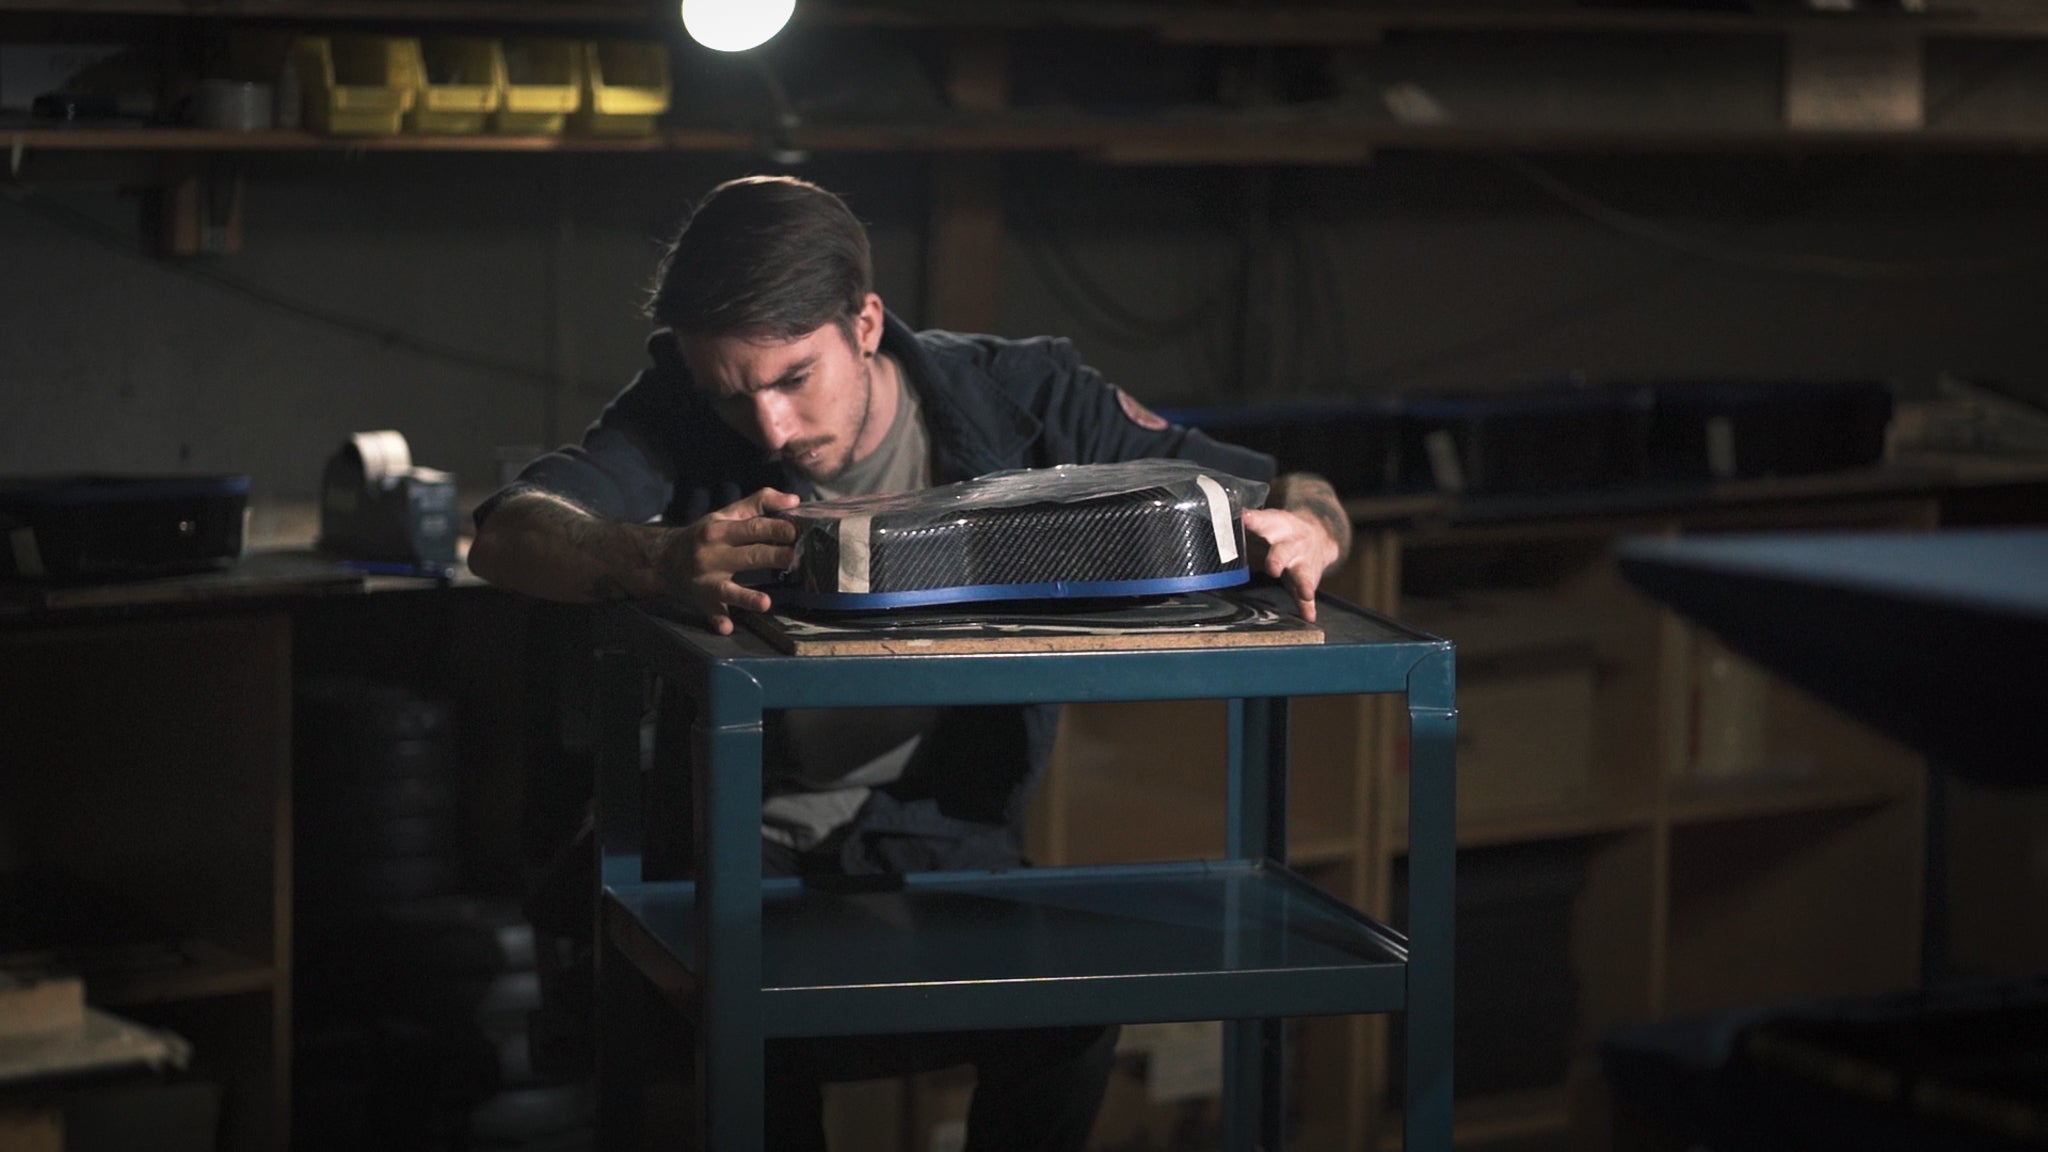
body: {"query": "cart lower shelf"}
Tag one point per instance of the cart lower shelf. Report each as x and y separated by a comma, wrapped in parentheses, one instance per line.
(1038, 947)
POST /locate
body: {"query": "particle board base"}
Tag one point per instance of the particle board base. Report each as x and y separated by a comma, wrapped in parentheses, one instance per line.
(1232, 618)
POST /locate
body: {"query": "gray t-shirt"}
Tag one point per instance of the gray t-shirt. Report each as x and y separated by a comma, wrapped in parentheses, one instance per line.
(901, 463)
(821, 763)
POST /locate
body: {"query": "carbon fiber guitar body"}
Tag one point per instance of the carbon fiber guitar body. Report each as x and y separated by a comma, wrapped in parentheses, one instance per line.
(1173, 537)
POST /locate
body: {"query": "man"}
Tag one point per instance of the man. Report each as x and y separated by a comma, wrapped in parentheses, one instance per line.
(778, 377)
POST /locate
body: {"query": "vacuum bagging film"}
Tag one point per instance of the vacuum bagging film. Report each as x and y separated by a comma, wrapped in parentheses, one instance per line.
(1143, 527)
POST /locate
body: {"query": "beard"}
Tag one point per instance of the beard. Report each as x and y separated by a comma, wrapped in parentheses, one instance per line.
(792, 453)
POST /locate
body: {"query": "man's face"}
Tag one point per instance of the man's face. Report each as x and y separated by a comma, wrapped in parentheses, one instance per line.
(804, 400)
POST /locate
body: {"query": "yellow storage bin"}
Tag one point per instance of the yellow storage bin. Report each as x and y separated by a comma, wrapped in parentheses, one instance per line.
(543, 85)
(460, 82)
(356, 85)
(625, 87)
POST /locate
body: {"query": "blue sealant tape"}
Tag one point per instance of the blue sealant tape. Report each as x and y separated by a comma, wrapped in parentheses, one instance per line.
(1048, 590)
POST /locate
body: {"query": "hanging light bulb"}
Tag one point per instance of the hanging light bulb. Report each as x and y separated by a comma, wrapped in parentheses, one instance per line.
(735, 25)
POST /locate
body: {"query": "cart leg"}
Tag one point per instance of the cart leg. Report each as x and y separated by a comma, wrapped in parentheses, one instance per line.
(1255, 1051)
(1432, 869)
(727, 791)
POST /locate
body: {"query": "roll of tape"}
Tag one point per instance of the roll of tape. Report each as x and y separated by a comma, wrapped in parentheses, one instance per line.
(385, 455)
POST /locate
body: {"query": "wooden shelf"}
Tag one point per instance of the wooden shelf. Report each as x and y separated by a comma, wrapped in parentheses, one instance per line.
(1594, 512)
(1193, 139)
(1705, 804)
(361, 11)
(218, 140)
(1186, 23)
(210, 972)
(1317, 853)
(1538, 824)
(1365, 24)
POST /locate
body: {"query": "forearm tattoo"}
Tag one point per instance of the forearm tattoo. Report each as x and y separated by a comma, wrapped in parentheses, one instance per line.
(616, 549)
(1311, 494)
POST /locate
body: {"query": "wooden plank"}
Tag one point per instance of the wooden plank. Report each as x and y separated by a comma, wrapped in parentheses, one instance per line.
(1706, 804)
(1212, 23)
(210, 971)
(199, 208)
(964, 247)
(1297, 23)
(249, 580)
(1597, 818)
(287, 140)
(31, 1128)
(31, 1006)
(100, 1043)
(367, 11)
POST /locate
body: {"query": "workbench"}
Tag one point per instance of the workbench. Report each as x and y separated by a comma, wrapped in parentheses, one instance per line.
(1934, 638)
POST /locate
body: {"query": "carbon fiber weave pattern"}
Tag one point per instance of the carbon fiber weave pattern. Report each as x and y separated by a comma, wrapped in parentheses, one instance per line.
(1148, 534)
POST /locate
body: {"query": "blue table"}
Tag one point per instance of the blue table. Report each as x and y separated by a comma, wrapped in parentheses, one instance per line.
(1938, 639)
(1244, 939)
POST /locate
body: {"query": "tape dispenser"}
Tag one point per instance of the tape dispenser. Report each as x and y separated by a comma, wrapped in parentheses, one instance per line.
(376, 505)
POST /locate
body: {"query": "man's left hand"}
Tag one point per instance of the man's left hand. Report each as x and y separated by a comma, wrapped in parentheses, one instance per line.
(1300, 539)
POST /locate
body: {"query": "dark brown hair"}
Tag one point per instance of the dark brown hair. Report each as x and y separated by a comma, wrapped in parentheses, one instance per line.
(763, 255)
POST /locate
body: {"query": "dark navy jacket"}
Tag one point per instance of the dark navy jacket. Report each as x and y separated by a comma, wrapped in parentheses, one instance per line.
(659, 452)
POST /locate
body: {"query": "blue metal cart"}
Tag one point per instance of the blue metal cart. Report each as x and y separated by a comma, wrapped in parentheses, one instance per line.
(1243, 939)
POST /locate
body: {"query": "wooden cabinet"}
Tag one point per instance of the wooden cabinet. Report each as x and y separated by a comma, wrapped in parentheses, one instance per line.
(145, 788)
(1647, 827)
(146, 768)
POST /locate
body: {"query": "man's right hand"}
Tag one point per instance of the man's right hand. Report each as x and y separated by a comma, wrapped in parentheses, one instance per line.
(699, 561)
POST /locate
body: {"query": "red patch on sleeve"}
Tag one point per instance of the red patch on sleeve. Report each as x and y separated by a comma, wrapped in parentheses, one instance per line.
(1140, 415)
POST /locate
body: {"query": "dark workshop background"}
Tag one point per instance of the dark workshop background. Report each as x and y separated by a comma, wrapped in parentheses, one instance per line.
(1413, 272)
(1518, 203)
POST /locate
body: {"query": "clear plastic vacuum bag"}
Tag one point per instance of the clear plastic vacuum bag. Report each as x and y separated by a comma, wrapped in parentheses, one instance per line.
(1138, 528)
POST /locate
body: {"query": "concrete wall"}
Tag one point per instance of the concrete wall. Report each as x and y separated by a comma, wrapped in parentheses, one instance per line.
(437, 295)
(1433, 272)
(1416, 272)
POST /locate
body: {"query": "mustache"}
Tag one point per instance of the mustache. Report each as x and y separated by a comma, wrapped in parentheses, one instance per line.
(789, 453)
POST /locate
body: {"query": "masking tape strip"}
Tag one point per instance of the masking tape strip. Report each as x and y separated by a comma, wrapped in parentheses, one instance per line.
(1219, 518)
(28, 559)
(853, 553)
(1444, 465)
(1721, 446)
